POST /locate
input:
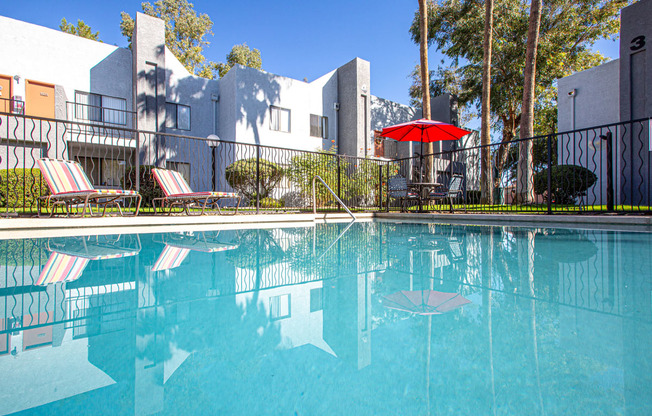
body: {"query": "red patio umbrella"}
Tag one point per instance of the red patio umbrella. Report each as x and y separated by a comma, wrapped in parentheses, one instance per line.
(424, 131)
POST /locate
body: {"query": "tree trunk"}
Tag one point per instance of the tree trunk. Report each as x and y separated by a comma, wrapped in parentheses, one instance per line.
(509, 131)
(485, 129)
(524, 179)
(425, 79)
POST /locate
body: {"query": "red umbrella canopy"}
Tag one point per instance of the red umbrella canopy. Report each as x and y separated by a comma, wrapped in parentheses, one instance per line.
(424, 302)
(425, 131)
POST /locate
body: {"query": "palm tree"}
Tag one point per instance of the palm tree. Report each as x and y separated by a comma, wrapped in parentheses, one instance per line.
(485, 128)
(425, 74)
(524, 185)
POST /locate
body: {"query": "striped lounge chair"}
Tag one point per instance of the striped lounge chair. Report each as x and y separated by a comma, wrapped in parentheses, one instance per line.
(70, 186)
(178, 193)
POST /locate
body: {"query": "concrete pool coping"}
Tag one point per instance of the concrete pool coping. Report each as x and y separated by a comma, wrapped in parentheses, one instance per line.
(47, 227)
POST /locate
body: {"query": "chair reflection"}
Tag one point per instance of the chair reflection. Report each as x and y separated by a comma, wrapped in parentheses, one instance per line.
(70, 255)
(179, 245)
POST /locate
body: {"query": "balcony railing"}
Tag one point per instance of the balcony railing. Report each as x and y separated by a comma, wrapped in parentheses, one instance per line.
(99, 115)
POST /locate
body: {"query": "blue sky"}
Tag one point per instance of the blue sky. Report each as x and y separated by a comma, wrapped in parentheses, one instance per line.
(298, 39)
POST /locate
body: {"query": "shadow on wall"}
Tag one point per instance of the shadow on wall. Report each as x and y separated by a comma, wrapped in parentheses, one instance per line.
(257, 92)
(329, 97)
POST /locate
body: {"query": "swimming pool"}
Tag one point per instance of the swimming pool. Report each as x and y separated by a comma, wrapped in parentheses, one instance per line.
(374, 318)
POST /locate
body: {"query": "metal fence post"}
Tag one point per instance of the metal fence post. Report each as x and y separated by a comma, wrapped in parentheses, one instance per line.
(257, 179)
(549, 174)
(137, 134)
(387, 188)
(380, 187)
(339, 180)
(610, 171)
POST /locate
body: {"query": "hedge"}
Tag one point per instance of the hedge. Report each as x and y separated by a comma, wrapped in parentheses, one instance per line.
(21, 188)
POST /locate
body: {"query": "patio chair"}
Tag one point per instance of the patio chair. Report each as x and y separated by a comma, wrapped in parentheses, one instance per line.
(70, 186)
(398, 189)
(453, 191)
(178, 193)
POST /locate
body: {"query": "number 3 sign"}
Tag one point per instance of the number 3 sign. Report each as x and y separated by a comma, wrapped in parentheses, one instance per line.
(637, 43)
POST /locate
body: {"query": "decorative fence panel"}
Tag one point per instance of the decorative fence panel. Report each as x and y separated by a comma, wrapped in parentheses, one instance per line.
(598, 169)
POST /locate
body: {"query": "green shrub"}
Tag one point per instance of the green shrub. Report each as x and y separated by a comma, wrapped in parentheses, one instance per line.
(149, 189)
(271, 203)
(568, 182)
(21, 188)
(305, 166)
(241, 175)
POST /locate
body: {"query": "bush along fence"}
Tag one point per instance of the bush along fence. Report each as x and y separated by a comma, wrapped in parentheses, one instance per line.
(599, 169)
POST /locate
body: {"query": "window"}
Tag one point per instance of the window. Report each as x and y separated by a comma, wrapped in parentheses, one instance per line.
(181, 167)
(177, 116)
(100, 108)
(280, 119)
(316, 302)
(318, 126)
(103, 172)
(279, 306)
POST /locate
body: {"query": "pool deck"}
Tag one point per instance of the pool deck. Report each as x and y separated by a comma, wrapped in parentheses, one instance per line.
(45, 227)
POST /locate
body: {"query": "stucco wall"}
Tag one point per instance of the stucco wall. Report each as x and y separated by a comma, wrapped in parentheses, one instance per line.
(323, 96)
(41, 54)
(196, 92)
(596, 98)
(354, 129)
(587, 99)
(256, 91)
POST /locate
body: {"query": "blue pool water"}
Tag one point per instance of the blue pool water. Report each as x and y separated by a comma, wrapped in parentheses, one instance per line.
(316, 321)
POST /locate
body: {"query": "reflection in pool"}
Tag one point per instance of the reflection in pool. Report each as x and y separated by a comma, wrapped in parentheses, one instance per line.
(304, 320)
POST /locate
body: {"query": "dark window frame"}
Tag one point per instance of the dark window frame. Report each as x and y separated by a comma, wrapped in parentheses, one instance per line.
(100, 109)
(176, 116)
(320, 129)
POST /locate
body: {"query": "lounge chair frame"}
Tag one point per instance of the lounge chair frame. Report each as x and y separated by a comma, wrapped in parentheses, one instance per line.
(187, 200)
(86, 196)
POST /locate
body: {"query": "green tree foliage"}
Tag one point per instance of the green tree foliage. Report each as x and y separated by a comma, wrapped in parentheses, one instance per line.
(358, 181)
(82, 29)
(567, 183)
(241, 175)
(305, 166)
(185, 31)
(240, 54)
(567, 32)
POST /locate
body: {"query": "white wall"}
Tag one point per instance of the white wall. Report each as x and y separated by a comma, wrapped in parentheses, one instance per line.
(256, 91)
(196, 92)
(51, 56)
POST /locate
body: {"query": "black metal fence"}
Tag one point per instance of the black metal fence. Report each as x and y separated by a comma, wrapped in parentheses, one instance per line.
(598, 169)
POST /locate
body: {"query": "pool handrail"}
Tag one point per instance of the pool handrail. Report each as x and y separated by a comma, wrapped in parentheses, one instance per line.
(314, 200)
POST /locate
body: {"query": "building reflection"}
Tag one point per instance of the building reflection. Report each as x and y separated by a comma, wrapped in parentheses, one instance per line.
(148, 321)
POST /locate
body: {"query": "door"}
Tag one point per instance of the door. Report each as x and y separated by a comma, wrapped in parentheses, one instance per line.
(5, 94)
(39, 99)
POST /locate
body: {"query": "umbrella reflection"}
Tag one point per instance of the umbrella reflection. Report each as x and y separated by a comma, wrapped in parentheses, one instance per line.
(424, 302)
